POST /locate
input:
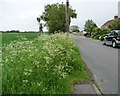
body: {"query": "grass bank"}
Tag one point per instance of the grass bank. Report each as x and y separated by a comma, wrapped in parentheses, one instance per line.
(49, 64)
(0, 39)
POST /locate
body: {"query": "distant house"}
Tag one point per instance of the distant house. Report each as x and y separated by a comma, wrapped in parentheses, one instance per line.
(106, 25)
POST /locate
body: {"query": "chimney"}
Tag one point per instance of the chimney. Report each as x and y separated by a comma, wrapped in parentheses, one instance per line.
(115, 17)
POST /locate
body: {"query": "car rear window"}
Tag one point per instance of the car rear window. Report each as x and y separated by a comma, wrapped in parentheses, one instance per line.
(118, 33)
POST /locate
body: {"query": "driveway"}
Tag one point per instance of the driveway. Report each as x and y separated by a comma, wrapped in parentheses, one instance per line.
(102, 61)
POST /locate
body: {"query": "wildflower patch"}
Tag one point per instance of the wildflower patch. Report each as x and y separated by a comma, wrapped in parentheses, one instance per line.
(49, 64)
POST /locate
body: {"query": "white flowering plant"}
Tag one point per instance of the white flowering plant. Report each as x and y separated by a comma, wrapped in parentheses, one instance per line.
(49, 64)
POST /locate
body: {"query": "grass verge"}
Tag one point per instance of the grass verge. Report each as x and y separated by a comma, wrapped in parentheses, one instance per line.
(50, 64)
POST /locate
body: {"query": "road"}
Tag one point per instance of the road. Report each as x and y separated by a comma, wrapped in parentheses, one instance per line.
(102, 61)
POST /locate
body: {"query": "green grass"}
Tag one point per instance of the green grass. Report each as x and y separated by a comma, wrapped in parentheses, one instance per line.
(0, 63)
(8, 37)
(0, 39)
(49, 64)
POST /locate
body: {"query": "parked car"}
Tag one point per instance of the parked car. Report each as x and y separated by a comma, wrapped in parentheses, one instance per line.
(113, 38)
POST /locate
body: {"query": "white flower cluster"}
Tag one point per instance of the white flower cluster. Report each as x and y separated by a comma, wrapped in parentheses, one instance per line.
(27, 72)
(41, 60)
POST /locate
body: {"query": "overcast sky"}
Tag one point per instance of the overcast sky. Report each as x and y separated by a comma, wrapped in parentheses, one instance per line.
(21, 14)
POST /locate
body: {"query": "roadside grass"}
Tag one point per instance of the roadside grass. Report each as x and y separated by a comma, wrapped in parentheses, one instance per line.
(0, 39)
(0, 63)
(49, 64)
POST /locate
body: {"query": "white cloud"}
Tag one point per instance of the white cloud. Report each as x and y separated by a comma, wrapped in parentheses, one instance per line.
(21, 14)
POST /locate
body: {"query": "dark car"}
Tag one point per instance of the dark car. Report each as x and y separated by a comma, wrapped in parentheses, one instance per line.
(113, 38)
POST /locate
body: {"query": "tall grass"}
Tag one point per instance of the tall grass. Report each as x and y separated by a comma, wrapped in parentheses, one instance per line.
(46, 65)
(0, 63)
(0, 39)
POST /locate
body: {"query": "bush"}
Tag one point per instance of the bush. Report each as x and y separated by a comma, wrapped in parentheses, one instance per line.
(102, 36)
(100, 32)
(97, 36)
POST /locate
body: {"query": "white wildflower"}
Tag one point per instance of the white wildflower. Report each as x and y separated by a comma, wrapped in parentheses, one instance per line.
(25, 81)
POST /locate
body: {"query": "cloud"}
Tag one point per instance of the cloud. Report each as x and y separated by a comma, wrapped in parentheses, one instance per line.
(21, 14)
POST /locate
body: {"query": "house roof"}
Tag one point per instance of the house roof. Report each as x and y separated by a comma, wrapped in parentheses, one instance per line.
(106, 25)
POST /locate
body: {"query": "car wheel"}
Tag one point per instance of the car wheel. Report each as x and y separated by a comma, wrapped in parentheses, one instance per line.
(103, 42)
(114, 44)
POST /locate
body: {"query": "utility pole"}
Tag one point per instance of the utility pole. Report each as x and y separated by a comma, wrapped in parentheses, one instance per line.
(67, 16)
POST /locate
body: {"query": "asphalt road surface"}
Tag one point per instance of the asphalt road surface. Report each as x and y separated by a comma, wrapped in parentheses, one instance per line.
(102, 61)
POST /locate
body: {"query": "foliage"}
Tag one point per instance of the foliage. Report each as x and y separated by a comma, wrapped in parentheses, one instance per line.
(75, 29)
(41, 27)
(89, 26)
(115, 25)
(100, 32)
(55, 17)
(102, 36)
(46, 65)
(104, 31)
(40, 24)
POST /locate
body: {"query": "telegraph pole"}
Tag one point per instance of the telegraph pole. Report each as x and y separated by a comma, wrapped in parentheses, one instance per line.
(67, 16)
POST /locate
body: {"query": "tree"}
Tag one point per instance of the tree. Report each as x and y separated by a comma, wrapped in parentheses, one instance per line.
(95, 31)
(75, 28)
(89, 26)
(55, 17)
(40, 24)
(115, 25)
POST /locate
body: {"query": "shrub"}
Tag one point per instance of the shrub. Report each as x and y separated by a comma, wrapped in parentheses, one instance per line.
(99, 32)
(102, 36)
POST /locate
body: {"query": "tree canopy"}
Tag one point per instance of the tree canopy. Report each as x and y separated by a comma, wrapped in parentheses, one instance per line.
(55, 17)
(75, 28)
(89, 26)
